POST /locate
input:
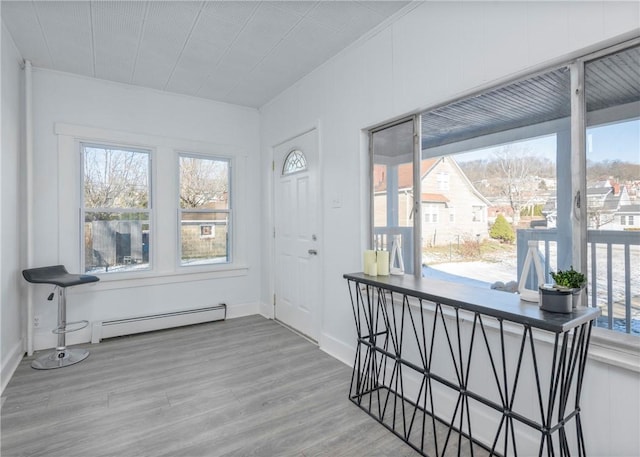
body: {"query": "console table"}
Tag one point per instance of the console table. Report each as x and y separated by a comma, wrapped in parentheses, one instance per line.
(460, 370)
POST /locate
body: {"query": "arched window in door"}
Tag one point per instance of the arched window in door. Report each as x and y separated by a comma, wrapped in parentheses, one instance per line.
(294, 162)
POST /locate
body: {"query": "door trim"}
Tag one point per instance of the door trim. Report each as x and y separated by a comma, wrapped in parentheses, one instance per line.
(271, 308)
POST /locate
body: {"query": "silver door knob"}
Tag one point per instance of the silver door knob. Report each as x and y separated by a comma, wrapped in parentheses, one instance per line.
(312, 252)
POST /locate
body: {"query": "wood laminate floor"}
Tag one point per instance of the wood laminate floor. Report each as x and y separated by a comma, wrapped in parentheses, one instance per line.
(242, 387)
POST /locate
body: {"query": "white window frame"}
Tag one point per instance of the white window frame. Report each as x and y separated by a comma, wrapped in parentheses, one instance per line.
(83, 209)
(229, 211)
(163, 263)
(609, 346)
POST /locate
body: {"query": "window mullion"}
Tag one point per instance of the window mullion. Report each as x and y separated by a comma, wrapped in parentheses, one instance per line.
(578, 167)
(417, 193)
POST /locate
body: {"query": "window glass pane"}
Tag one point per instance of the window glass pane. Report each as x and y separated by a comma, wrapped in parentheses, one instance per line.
(115, 178)
(204, 183)
(204, 237)
(393, 190)
(515, 182)
(205, 210)
(612, 91)
(116, 241)
(492, 168)
(116, 202)
(295, 161)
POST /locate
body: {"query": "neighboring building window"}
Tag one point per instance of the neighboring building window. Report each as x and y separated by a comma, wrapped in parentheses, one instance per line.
(478, 213)
(116, 208)
(623, 220)
(205, 210)
(442, 181)
(452, 215)
(631, 221)
(431, 213)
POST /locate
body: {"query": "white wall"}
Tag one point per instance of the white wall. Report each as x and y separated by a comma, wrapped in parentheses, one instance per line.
(67, 107)
(11, 287)
(434, 53)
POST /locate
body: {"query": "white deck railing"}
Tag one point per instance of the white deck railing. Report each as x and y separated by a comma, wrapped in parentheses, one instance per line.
(613, 268)
(614, 272)
(383, 237)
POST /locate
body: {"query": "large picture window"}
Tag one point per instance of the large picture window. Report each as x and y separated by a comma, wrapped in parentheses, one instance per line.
(204, 210)
(518, 166)
(116, 208)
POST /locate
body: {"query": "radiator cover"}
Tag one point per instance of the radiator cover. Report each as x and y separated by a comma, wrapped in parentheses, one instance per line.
(132, 325)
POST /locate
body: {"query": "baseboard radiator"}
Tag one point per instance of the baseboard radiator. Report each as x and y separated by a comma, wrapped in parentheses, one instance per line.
(129, 326)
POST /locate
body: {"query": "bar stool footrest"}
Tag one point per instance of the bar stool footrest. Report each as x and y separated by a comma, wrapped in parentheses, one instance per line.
(69, 327)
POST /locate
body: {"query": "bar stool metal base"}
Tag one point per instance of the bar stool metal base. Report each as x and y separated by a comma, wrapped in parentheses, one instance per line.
(59, 358)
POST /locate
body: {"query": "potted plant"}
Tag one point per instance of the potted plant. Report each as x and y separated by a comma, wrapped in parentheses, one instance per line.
(565, 294)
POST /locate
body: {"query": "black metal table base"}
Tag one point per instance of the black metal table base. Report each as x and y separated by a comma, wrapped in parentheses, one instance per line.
(449, 381)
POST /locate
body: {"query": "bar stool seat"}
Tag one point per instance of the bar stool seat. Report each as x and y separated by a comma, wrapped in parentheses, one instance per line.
(61, 278)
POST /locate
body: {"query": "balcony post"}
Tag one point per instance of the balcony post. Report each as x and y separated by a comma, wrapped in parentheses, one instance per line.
(578, 168)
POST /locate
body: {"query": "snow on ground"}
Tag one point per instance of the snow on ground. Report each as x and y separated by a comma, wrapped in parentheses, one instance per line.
(488, 272)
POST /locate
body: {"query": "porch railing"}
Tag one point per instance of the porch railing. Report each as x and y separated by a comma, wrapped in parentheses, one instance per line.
(613, 271)
(383, 237)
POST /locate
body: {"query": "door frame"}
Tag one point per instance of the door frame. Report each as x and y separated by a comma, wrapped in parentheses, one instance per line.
(271, 305)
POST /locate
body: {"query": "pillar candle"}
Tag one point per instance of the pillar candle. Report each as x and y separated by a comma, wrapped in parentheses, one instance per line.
(373, 269)
(369, 259)
(383, 262)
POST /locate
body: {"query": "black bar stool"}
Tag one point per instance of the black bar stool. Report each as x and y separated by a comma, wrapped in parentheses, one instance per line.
(61, 278)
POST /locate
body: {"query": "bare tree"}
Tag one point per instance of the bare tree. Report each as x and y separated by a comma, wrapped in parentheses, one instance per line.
(115, 178)
(514, 164)
(203, 182)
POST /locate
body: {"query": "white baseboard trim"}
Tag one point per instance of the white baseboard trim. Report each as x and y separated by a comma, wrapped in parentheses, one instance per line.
(266, 310)
(44, 339)
(337, 349)
(242, 310)
(10, 364)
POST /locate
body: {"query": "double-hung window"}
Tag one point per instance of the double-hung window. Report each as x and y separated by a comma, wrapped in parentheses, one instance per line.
(116, 208)
(204, 209)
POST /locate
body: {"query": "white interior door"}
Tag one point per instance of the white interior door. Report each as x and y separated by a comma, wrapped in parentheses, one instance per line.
(297, 257)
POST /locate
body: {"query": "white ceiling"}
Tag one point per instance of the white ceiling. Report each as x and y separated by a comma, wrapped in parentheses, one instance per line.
(240, 52)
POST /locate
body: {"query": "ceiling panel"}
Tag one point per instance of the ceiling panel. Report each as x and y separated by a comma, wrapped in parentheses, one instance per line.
(166, 29)
(22, 23)
(263, 31)
(232, 12)
(383, 8)
(117, 28)
(613, 80)
(296, 54)
(299, 8)
(67, 28)
(243, 52)
(209, 41)
(541, 98)
(350, 15)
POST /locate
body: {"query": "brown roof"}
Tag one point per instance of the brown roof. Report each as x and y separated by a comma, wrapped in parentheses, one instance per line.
(434, 198)
(405, 174)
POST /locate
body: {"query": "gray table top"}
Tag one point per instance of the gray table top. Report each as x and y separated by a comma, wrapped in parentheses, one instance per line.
(498, 304)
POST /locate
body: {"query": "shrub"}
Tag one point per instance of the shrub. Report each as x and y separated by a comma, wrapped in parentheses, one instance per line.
(502, 230)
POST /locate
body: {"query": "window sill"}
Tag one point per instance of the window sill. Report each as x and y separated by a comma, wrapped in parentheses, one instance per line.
(110, 281)
(615, 348)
